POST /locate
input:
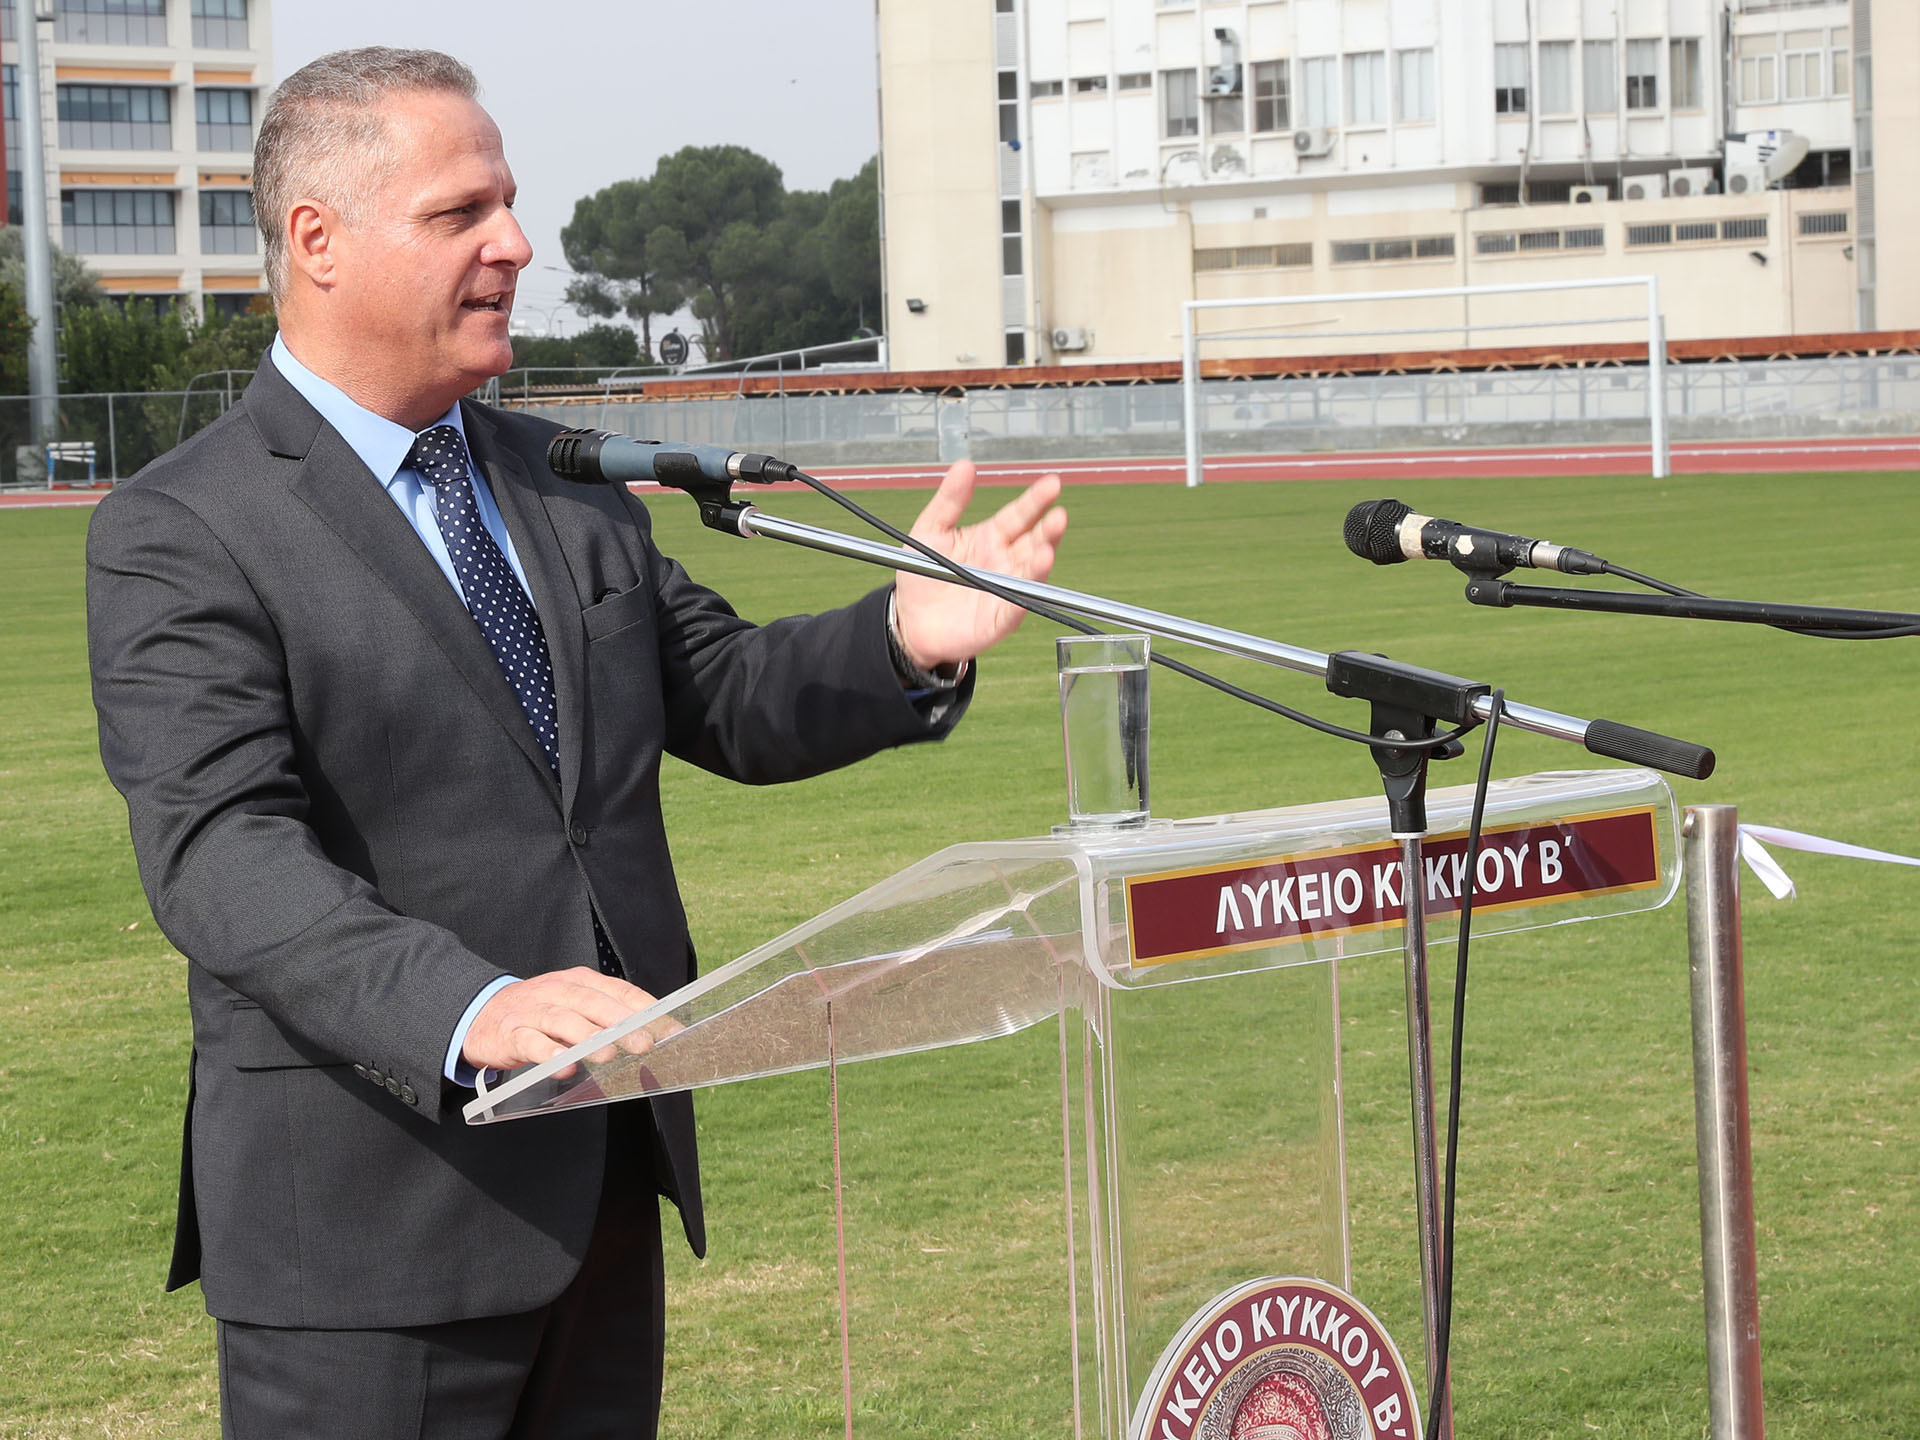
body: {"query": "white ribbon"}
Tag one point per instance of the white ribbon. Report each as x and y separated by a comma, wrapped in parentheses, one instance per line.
(1776, 879)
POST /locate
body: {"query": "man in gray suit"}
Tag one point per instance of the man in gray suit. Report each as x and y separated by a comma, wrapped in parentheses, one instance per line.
(388, 703)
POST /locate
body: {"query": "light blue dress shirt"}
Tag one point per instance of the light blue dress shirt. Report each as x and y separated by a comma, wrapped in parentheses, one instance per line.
(382, 446)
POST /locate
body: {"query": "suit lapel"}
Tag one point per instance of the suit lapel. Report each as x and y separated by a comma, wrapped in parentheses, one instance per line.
(555, 597)
(338, 487)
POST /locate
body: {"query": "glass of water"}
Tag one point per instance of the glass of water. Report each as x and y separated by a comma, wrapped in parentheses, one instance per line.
(1103, 719)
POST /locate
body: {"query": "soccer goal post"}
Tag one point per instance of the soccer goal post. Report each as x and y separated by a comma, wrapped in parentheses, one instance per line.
(1191, 338)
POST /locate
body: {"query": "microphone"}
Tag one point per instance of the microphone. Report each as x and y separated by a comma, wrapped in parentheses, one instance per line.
(594, 457)
(1388, 532)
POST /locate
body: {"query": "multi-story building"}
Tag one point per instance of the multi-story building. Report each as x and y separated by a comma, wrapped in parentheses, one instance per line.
(1059, 175)
(148, 109)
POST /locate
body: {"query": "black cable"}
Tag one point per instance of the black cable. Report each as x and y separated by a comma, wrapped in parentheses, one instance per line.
(1443, 1331)
(977, 581)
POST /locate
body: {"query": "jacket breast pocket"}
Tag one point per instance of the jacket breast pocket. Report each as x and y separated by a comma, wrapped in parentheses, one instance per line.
(618, 612)
(255, 1043)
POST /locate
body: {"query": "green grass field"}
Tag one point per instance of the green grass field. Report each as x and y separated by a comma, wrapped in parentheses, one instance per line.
(1578, 1308)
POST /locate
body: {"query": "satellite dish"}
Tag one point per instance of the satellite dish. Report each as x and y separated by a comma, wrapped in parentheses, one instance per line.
(1777, 152)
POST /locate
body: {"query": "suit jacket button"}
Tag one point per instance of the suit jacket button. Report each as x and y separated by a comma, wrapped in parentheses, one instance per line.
(376, 1075)
(363, 1072)
(578, 833)
(393, 1086)
(408, 1094)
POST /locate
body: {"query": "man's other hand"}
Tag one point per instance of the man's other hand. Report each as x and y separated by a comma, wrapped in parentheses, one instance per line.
(531, 1021)
(941, 623)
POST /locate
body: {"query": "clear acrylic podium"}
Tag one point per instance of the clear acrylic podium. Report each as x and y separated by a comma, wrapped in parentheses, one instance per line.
(1192, 968)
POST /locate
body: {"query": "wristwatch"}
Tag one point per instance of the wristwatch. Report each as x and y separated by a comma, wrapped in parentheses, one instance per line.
(946, 677)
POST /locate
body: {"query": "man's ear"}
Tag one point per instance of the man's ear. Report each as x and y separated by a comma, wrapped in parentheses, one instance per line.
(312, 228)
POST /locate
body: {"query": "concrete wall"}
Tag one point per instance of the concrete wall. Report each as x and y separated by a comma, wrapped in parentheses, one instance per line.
(939, 149)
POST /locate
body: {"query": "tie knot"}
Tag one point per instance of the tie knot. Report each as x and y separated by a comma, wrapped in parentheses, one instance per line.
(438, 455)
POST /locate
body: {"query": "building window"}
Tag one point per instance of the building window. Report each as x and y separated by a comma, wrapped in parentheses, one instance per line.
(111, 22)
(1754, 228)
(1423, 247)
(1683, 74)
(1139, 80)
(1320, 91)
(1009, 83)
(231, 304)
(1804, 61)
(223, 119)
(1179, 103)
(1602, 95)
(1016, 347)
(1043, 89)
(1556, 77)
(1643, 74)
(115, 117)
(1756, 58)
(1009, 237)
(1415, 85)
(1833, 222)
(1226, 115)
(220, 24)
(1271, 108)
(1090, 85)
(1661, 234)
(1696, 230)
(1254, 257)
(1842, 40)
(117, 222)
(226, 223)
(1509, 79)
(1367, 88)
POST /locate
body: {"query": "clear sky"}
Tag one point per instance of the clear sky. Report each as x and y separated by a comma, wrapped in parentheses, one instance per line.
(587, 92)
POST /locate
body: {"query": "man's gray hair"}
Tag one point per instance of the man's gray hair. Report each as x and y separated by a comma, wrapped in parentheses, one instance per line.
(323, 137)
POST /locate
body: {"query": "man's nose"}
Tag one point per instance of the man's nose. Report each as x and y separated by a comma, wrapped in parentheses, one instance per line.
(509, 244)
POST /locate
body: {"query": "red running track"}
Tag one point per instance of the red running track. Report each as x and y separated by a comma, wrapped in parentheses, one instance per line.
(1742, 457)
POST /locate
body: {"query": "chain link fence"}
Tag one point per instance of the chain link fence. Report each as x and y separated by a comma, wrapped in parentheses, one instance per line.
(1802, 399)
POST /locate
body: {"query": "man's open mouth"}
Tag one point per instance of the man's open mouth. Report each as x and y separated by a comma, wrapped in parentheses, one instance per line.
(490, 302)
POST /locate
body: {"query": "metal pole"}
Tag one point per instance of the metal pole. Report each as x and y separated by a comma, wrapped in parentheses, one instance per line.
(756, 522)
(43, 380)
(1710, 850)
(1426, 1145)
(113, 443)
(1190, 391)
(1657, 380)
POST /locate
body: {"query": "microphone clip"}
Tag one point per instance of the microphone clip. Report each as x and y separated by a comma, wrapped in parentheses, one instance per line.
(1407, 701)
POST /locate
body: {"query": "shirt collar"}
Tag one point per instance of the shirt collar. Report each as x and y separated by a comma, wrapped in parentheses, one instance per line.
(381, 444)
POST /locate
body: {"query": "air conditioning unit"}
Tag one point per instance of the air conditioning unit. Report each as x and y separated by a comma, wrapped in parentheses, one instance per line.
(1694, 180)
(1588, 195)
(1746, 180)
(1315, 141)
(1069, 337)
(1643, 187)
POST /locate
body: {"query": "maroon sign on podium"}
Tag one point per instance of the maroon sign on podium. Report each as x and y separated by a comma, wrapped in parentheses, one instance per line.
(1247, 905)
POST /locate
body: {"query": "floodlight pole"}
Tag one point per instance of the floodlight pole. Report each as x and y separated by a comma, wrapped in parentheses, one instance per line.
(43, 381)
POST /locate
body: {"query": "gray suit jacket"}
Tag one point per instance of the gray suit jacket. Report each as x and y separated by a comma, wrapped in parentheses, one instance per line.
(344, 821)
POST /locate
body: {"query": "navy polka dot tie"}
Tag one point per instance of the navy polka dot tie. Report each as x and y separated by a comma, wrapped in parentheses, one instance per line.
(495, 600)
